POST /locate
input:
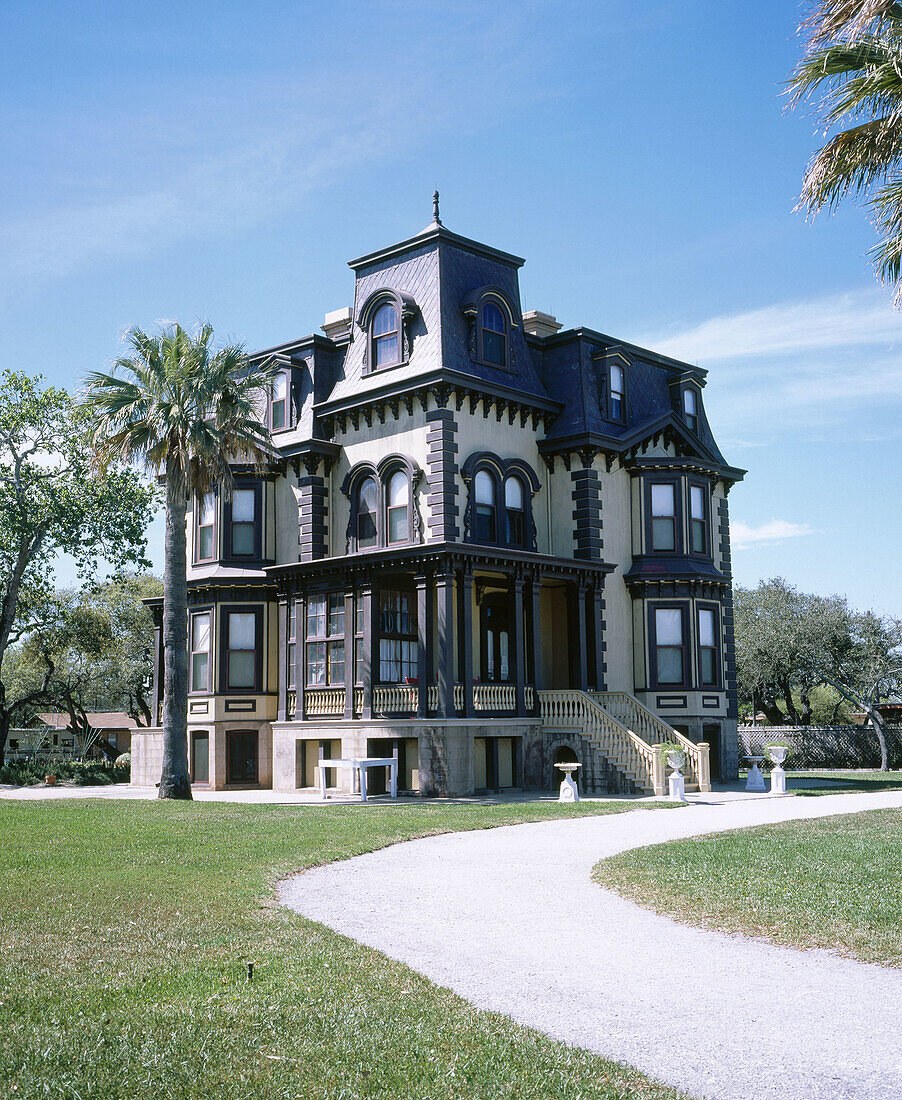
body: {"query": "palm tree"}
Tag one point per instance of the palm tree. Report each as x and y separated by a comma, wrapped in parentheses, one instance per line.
(185, 410)
(853, 62)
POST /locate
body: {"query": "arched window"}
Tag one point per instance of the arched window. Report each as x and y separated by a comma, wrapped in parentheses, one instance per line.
(366, 514)
(515, 511)
(494, 335)
(485, 506)
(386, 337)
(398, 507)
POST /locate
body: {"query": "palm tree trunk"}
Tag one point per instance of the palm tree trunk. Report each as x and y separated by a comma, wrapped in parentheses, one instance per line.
(174, 780)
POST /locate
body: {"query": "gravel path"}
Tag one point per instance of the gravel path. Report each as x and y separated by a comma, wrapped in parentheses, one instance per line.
(509, 919)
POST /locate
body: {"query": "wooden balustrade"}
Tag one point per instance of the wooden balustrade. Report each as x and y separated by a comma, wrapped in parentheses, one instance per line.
(291, 703)
(324, 702)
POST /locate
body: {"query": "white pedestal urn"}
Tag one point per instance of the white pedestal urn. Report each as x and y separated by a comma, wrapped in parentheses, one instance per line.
(569, 792)
(676, 782)
(755, 780)
(777, 754)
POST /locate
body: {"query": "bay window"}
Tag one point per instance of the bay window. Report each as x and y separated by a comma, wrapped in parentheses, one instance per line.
(663, 516)
(199, 636)
(206, 527)
(707, 647)
(698, 512)
(243, 523)
(669, 646)
(242, 652)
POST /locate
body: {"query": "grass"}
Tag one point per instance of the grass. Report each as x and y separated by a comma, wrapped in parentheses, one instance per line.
(126, 927)
(821, 781)
(831, 883)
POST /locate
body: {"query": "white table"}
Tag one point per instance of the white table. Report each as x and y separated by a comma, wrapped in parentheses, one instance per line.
(358, 773)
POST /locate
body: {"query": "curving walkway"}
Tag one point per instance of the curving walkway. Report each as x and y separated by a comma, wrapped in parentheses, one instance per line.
(509, 919)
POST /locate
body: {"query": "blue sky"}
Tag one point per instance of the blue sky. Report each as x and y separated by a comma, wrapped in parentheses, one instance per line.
(224, 160)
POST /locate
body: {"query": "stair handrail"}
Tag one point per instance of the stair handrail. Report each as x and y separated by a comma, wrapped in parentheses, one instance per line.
(698, 755)
(623, 746)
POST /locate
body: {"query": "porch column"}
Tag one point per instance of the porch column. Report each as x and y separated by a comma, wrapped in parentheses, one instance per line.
(365, 595)
(465, 621)
(535, 590)
(423, 584)
(519, 647)
(600, 643)
(582, 672)
(444, 588)
(350, 654)
(283, 661)
(157, 697)
(300, 653)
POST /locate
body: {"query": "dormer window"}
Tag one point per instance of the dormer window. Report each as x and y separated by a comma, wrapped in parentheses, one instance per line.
(386, 336)
(494, 335)
(617, 392)
(278, 405)
(690, 409)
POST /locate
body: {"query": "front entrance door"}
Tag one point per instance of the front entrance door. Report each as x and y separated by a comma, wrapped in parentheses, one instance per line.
(241, 757)
(495, 642)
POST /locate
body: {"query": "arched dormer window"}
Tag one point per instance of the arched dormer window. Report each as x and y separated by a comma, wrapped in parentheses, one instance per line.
(385, 321)
(367, 510)
(494, 484)
(386, 336)
(515, 511)
(398, 507)
(382, 509)
(484, 488)
(494, 335)
(492, 315)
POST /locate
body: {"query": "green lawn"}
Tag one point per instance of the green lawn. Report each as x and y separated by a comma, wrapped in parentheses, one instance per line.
(831, 883)
(827, 781)
(125, 929)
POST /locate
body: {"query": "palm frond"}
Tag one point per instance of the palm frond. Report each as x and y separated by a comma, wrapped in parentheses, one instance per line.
(832, 19)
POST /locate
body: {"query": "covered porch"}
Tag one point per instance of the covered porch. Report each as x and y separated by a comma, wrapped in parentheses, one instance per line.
(451, 632)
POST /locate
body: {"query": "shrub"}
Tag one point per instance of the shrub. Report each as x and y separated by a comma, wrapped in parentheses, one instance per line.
(124, 760)
(84, 773)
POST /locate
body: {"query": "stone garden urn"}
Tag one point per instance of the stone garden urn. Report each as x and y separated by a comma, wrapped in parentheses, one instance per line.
(569, 792)
(676, 782)
(777, 754)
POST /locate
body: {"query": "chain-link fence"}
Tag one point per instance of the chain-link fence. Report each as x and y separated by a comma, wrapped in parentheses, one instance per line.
(824, 746)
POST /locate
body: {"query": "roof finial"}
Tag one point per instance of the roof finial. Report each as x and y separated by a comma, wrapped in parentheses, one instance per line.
(436, 219)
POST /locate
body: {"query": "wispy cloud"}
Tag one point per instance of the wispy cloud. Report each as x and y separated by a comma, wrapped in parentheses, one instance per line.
(215, 159)
(859, 318)
(746, 535)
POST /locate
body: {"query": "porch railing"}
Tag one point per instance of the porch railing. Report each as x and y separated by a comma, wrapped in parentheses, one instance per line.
(402, 699)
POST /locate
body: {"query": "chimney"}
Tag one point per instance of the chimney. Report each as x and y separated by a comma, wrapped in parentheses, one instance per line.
(537, 323)
(337, 324)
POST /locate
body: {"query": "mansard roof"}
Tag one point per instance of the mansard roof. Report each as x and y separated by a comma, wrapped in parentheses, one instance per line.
(439, 279)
